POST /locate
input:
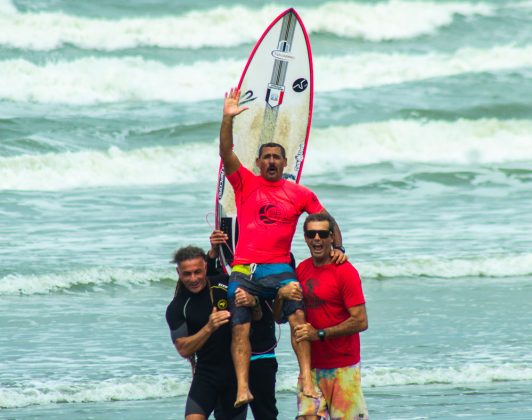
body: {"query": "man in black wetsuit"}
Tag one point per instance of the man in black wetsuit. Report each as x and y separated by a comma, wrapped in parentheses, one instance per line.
(199, 326)
(263, 366)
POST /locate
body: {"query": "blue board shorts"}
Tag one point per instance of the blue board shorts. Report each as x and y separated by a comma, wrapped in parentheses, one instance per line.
(263, 280)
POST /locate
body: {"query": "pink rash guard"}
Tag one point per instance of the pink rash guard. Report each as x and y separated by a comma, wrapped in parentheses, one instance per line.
(267, 215)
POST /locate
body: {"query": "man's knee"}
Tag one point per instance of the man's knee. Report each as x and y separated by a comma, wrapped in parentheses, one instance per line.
(297, 318)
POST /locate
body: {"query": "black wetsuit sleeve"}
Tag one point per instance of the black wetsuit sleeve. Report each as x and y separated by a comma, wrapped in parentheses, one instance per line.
(213, 268)
(176, 320)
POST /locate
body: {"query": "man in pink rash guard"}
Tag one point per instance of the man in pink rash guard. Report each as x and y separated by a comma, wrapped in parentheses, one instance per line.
(268, 212)
(268, 208)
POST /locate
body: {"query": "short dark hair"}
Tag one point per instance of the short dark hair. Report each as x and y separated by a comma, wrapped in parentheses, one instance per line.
(320, 217)
(188, 253)
(271, 144)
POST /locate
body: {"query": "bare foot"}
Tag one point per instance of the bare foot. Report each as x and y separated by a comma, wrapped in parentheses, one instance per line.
(243, 399)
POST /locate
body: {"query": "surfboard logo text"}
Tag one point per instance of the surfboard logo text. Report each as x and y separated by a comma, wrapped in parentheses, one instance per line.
(221, 184)
(283, 55)
(299, 158)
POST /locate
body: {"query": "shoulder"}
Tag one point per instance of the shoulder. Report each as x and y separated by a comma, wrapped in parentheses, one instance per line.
(220, 280)
(241, 172)
(306, 197)
(304, 266)
(297, 187)
(242, 177)
(347, 269)
(174, 309)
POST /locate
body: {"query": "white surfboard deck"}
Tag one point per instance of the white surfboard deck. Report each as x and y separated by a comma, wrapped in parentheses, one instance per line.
(277, 85)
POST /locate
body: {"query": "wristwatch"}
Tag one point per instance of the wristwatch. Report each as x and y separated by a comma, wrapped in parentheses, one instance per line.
(321, 335)
(340, 247)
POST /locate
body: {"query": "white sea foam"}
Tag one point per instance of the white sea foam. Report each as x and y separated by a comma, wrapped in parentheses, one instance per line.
(472, 373)
(96, 80)
(17, 284)
(384, 21)
(485, 266)
(375, 22)
(114, 167)
(123, 389)
(7, 8)
(162, 386)
(459, 142)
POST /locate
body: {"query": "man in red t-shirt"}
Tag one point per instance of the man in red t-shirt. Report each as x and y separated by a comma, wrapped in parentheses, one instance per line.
(268, 208)
(336, 313)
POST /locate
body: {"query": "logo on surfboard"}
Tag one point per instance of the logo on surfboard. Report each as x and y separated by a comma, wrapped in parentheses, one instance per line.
(274, 95)
(300, 84)
(247, 97)
(221, 183)
(283, 52)
(283, 55)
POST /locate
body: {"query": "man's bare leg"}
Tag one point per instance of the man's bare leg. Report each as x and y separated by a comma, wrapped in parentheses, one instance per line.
(302, 350)
(241, 353)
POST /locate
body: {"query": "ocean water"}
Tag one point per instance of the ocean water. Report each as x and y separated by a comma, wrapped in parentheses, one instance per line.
(421, 147)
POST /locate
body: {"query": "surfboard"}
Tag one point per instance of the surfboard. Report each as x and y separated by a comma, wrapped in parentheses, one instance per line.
(278, 87)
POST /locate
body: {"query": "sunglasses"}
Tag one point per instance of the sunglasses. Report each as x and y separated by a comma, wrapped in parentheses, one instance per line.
(323, 234)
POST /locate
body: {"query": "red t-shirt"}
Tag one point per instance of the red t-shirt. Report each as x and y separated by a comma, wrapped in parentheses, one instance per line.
(328, 292)
(267, 216)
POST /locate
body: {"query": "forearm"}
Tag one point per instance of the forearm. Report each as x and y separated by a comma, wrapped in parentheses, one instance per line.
(337, 236)
(350, 326)
(336, 230)
(187, 346)
(226, 137)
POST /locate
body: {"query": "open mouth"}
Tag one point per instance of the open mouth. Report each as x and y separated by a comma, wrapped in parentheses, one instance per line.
(194, 285)
(316, 247)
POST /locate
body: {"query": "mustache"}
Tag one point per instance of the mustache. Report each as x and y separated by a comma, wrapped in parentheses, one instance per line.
(272, 166)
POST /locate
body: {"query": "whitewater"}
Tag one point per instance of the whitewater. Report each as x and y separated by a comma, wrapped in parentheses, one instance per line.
(420, 147)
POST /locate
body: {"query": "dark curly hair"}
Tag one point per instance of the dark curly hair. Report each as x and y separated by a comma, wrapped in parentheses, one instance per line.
(186, 253)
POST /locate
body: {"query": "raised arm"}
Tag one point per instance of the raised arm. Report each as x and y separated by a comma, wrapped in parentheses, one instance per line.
(230, 110)
(338, 256)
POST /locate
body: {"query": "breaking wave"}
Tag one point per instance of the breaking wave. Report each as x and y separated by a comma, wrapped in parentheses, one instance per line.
(132, 79)
(16, 284)
(382, 21)
(461, 142)
(164, 386)
(438, 267)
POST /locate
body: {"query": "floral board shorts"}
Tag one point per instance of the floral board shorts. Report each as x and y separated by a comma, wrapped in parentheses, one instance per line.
(341, 395)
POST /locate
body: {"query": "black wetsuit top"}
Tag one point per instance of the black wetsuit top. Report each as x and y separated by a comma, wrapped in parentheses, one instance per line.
(189, 312)
(214, 379)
